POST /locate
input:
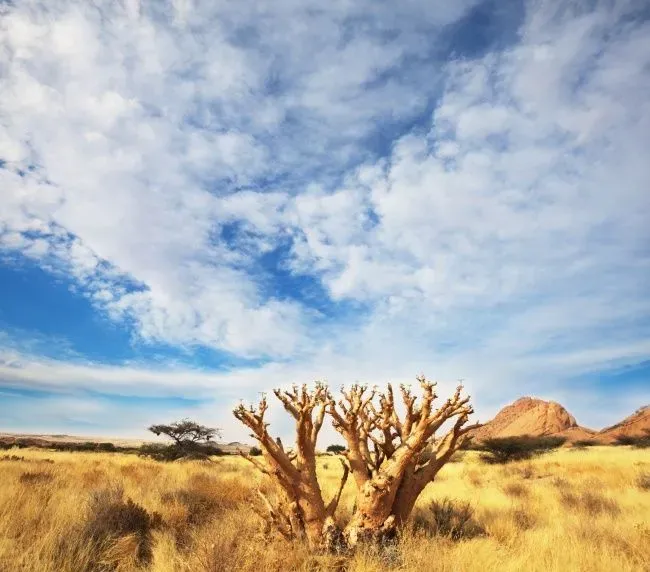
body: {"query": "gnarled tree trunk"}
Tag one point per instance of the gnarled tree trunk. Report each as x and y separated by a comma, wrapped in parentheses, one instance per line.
(391, 459)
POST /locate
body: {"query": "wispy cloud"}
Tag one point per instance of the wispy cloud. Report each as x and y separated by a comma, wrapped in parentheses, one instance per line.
(477, 213)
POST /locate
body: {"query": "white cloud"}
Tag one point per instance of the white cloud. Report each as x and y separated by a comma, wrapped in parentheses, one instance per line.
(518, 190)
(504, 239)
(139, 142)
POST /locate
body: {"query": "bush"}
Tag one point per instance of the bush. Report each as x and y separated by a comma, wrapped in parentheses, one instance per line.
(74, 446)
(106, 447)
(110, 518)
(335, 449)
(175, 452)
(454, 520)
(638, 441)
(255, 451)
(582, 443)
(159, 452)
(506, 449)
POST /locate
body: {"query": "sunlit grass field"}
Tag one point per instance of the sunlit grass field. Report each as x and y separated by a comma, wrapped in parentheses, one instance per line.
(568, 510)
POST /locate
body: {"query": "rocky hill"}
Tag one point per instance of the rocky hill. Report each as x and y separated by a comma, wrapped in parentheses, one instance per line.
(531, 416)
(636, 425)
(537, 417)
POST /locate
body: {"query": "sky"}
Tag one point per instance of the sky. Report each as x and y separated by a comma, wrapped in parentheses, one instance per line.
(203, 200)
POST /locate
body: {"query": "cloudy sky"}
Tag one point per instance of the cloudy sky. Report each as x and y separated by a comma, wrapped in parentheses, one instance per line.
(201, 200)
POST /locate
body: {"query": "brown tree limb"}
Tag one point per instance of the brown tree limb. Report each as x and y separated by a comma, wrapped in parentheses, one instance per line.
(257, 464)
(334, 503)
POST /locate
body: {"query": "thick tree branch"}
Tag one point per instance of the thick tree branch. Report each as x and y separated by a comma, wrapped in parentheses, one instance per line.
(254, 420)
(334, 503)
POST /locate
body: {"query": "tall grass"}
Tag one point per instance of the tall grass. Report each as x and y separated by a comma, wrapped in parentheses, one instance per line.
(95, 512)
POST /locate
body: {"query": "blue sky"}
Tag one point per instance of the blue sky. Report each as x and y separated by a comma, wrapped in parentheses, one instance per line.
(200, 201)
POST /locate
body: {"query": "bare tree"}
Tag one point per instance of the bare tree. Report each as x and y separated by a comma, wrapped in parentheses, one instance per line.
(391, 456)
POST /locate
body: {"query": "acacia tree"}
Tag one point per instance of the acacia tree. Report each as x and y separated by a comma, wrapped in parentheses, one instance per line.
(186, 431)
(392, 456)
(189, 439)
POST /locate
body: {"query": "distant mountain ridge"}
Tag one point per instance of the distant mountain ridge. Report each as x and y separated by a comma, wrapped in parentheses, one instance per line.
(525, 416)
(537, 417)
(43, 440)
(634, 425)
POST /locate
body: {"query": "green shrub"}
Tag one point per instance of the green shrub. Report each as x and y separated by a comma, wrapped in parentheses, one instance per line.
(174, 452)
(506, 449)
(638, 441)
(255, 451)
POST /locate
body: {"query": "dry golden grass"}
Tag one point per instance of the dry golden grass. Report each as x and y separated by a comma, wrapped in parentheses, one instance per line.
(570, 510)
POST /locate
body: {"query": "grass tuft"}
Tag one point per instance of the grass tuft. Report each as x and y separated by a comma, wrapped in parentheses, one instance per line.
(643, 481)
(451, 519)
(589, 502)
(34, 478)
(517, 490)
(114, 523)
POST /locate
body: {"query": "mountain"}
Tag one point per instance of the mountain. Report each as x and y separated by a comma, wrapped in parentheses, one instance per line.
(531, 416)
(636, 425)
(47, 440)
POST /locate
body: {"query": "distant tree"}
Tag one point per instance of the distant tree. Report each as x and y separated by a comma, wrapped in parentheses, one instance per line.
(255, 451)
(505, 449)
(335, 449)
(190, 440)
(186, 431)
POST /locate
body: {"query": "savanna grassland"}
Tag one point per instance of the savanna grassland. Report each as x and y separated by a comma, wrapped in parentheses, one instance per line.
(567, 510)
